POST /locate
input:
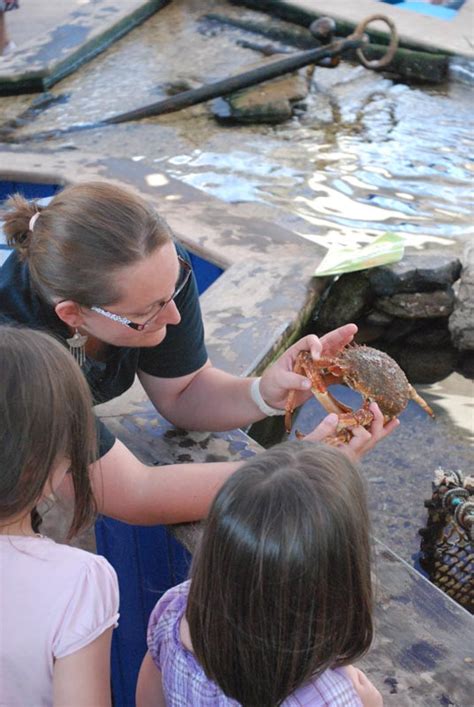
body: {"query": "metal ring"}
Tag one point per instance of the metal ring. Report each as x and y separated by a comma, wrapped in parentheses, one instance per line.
(392, 47)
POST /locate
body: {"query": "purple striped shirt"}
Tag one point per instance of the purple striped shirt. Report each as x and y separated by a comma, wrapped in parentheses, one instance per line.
(185, 683)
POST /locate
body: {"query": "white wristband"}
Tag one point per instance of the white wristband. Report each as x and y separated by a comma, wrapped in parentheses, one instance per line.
(260, 402)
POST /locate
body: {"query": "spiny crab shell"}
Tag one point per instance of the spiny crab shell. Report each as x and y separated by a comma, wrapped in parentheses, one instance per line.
(370, 372)
(376, 376)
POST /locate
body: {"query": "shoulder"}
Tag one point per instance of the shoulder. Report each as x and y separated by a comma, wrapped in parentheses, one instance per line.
(170, 605)
(19, 304)
(332, 687)
(93, 603)
(165, 617)
(77, 565)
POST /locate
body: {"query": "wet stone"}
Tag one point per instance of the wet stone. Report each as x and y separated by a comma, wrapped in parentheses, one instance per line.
(430, 334)
(427, 365)
(415, 273)
(418, 305)
(270, 102)
(346, 300)
(461, 322)
(379, 319)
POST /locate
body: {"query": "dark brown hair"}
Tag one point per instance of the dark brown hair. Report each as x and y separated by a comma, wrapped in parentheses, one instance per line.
(45, 415)
(280, 587)
(79, 241)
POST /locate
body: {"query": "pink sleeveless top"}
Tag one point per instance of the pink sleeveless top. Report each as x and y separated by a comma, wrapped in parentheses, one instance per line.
(185, 682)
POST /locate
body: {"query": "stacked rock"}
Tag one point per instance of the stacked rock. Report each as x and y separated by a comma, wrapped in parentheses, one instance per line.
(418, 310)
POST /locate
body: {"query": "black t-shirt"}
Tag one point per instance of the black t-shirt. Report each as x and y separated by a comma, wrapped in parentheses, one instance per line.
(181, 352)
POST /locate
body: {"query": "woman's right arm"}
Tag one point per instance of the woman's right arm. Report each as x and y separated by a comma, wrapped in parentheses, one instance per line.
(82, 679)
(128, 490)
(149, 686)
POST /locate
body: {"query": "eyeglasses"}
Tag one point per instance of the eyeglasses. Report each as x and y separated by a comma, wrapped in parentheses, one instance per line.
(185, 273)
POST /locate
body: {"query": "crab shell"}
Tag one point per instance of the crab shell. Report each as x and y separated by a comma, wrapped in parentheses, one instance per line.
(376, 376)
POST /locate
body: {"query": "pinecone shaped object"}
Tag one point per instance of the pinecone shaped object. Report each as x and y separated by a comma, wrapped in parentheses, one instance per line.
(447, 540)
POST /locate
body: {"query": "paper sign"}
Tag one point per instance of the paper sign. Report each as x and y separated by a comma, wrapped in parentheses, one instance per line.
(387, 248)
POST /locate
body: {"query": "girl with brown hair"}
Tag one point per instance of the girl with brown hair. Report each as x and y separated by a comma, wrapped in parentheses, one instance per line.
(98, 268)
(58, 604)
(279, 602)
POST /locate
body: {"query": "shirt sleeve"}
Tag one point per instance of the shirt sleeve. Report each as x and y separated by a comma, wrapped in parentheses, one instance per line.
(183, 349)
(92, 610)
(105, 438)
(163, 619)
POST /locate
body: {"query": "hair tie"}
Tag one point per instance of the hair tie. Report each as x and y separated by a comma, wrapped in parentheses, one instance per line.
(33, 220)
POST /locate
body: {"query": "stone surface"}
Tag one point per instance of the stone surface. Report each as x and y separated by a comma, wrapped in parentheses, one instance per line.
(427, 365)
(461, 322)
(345, 300)
(269, 102)
(376, 318)
(430, 334)
(418, 305)
(414, 30)
(53, 39)
(415, 273)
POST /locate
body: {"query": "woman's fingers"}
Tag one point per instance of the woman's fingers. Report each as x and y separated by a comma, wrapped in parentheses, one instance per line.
(326, 428)
(335, 340)
(364, 440)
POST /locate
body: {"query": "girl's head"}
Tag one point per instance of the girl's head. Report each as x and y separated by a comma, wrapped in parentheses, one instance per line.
(46, 426)
(281, 585)
(98, 245)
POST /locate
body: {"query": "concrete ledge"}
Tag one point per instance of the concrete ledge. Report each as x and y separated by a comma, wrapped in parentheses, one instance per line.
(415, 30)
(60, 38)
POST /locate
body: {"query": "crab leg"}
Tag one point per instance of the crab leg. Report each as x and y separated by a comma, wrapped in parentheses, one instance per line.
(319, 389)
(419, 400)
(304, 365)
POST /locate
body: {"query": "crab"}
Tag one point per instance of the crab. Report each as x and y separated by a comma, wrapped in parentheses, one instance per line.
(370, 372)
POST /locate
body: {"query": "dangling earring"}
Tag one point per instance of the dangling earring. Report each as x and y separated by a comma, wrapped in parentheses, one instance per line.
(77, 346)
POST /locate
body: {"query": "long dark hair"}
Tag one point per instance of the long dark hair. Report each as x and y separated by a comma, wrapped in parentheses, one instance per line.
(87, 233)
(45, 415)
(281, 587)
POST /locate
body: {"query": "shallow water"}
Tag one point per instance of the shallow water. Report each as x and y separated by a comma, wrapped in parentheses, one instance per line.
(364, 154)
(399, 471)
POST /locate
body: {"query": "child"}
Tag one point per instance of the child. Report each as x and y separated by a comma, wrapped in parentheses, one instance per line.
(58, 604)
(279, 602)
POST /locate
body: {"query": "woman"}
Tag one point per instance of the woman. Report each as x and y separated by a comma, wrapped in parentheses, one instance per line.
(98, 268)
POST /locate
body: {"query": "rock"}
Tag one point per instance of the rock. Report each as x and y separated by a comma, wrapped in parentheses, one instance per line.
(400, 329)
(461, 322)
(375, 318)
(418, 305)
(465, 364)
(430, 334)
(427, 365)
(269, 102)
(415, 273)
(345, 301)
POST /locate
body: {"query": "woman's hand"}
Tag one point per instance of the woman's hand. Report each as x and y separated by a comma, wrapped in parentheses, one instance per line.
(362, 440)
(279, 379)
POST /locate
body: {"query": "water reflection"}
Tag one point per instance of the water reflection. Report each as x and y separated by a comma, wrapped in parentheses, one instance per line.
(455, 395)
(367, 155)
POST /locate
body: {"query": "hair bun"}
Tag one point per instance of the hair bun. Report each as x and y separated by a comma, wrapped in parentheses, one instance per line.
(18, 223)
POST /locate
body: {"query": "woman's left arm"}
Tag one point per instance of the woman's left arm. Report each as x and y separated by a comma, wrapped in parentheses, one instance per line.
(212, 400)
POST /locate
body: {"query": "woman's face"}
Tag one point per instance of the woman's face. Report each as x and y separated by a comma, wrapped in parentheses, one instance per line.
(143, 287)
